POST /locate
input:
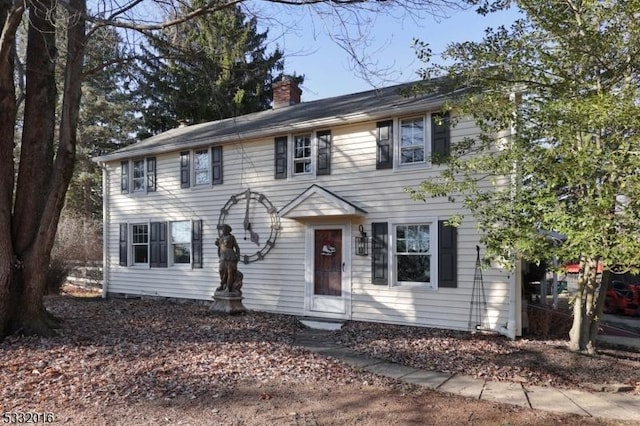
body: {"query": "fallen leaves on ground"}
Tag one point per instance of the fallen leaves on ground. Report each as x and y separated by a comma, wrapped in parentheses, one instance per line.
(493, 357)
(130, 353)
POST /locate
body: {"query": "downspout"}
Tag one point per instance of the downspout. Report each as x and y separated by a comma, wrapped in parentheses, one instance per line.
(105, 230)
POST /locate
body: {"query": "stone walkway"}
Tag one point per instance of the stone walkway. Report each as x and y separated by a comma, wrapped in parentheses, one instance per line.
(607, 405)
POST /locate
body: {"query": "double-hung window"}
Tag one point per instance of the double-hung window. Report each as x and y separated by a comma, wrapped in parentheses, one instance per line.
(181, 242)
(302, 154)
(202, 167)
(412, 141)
(409, 142)
(161, 244)
(138, 175)
(308, 154)
(413, 254)
(140, 243)
(422, 253)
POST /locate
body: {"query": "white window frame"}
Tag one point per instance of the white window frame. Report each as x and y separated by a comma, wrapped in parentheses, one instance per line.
(397, 142)
(132, 245)
(171, 243)
(144, 178)
(194, 169)
(312, 154)
(433, 252)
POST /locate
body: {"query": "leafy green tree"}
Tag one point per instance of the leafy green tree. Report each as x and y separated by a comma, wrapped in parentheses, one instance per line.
(556, 98)
(213, 67)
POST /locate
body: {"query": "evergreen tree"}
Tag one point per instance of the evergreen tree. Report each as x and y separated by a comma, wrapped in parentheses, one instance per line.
(209, 68)
(107, 121)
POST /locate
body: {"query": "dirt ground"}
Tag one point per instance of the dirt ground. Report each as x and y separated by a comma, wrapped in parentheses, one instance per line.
(149, 362)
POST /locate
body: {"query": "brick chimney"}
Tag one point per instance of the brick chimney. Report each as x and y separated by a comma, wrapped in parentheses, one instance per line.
(286, 92)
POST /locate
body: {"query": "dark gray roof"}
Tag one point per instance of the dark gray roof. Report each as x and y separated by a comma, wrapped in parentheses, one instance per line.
(372, 104)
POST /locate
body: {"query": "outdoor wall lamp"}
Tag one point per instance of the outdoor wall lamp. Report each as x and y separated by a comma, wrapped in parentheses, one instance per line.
(362, 243)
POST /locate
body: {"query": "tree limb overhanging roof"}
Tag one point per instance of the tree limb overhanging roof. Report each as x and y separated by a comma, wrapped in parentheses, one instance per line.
(305, 116)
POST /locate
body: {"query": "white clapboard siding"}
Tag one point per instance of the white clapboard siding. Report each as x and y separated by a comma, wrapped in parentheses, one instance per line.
(277, 283)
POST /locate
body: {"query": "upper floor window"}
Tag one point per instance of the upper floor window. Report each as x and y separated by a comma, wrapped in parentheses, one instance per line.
(138, 175)
(302, 154)
(412, 141)
(308, 154)
(201, 167)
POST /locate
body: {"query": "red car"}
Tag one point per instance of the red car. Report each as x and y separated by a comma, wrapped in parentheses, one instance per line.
(623, 298)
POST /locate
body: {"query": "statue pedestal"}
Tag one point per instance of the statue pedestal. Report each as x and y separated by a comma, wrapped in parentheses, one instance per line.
(228, 302)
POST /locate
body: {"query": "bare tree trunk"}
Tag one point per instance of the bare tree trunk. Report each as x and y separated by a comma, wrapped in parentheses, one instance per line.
(574, 333)
(42, 183)
(10, 16)
(599, 307)
(587, 308)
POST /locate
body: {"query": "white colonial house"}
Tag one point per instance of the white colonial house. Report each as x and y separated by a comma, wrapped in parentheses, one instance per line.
(315, 195)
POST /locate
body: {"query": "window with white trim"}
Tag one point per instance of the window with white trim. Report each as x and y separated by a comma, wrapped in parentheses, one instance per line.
(138, 176)
(306, 154)
(161, 244)
(201, 167)
(412, 141)
(181, 242)
(422, 253)
(413, 253)
(408, 142)
(140, 243)
(302, 164)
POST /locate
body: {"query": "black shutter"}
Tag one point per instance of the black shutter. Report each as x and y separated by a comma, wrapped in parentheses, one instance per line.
(384, 156)
(380, 253)
(216, 165)
(123, 244)
(124, 176)
(440, 137)
(280, 157)
(196, 243)
(447, 255)
(324, 152)
(184, 169)
(151, 174)
(158, 245)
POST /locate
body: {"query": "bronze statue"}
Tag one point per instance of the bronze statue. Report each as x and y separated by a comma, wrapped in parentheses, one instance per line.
(229, 255)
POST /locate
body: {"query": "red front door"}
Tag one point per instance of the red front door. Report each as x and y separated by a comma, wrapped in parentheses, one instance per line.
(328, 262)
